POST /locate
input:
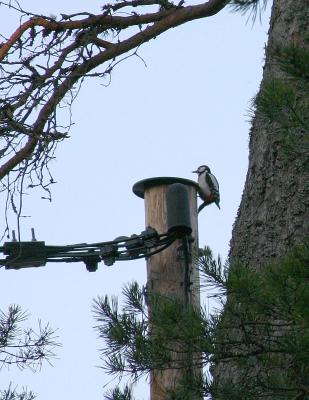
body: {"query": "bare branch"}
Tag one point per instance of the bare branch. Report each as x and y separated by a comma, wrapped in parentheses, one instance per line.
(44, 61)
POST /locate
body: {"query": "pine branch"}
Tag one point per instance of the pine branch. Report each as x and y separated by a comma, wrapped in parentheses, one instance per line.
(24, 348)
(12, 394)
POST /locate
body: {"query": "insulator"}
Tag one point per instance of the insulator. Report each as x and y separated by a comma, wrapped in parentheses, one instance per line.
(91, 262)
(108, 254)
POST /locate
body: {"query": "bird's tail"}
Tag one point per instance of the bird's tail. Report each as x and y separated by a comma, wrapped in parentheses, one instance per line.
(201, 207)
(207, 204)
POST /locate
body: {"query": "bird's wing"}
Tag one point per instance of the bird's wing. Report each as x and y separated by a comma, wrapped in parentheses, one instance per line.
(212, 182)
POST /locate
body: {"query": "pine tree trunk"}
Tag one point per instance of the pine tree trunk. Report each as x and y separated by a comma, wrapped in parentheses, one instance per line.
(272, 216)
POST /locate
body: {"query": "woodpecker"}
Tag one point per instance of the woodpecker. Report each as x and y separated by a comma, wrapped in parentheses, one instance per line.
(208, 187)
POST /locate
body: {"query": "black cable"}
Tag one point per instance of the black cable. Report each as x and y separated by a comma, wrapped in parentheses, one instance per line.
(148, 243)
(123, 255)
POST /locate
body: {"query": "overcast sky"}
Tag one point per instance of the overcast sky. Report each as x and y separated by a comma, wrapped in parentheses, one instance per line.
(188, 106)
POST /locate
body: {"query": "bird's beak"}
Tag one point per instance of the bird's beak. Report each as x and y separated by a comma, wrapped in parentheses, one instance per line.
(194, 172)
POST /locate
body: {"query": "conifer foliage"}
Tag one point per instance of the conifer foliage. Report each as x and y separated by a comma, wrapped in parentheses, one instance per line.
(263, 328)
(284, 102)
(23, 347)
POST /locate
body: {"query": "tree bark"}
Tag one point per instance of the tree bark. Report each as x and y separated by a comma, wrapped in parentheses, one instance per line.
(272, 215)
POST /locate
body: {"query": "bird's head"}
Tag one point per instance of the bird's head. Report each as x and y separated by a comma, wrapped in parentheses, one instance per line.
(202, 169)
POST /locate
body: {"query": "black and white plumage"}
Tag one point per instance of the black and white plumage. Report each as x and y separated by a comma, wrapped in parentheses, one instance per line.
(208, 187)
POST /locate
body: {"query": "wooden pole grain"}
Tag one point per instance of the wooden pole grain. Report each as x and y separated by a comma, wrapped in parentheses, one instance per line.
(167, 271)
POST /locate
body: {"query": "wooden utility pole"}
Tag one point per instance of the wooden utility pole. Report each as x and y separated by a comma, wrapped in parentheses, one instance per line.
(170, 273)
